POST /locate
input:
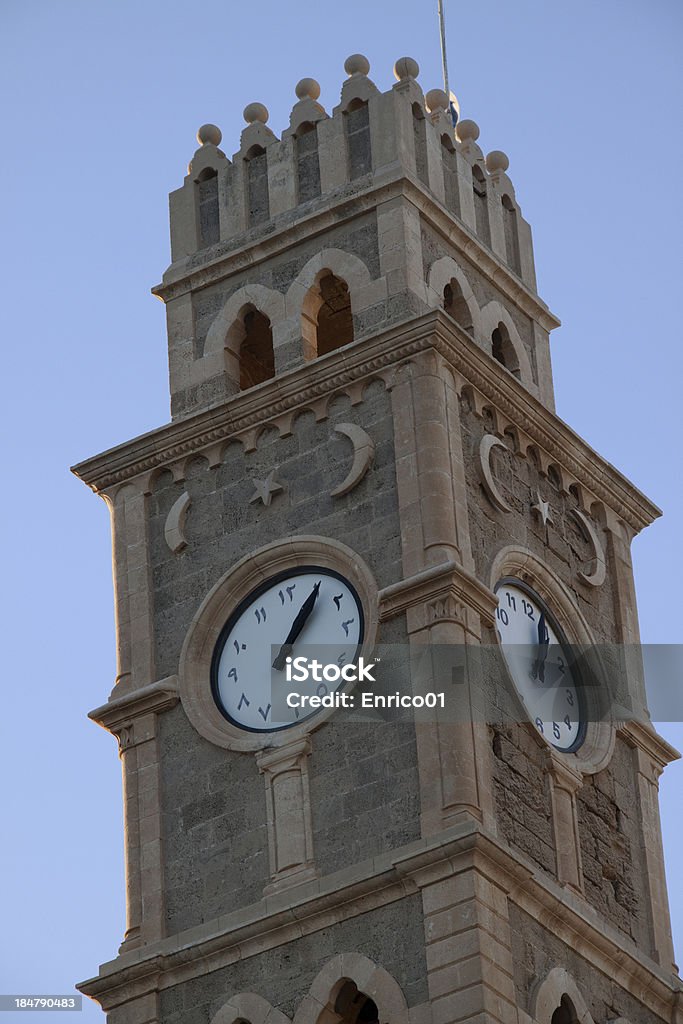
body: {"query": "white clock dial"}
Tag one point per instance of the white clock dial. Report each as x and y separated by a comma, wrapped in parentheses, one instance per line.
(541, 672)
(303, 612)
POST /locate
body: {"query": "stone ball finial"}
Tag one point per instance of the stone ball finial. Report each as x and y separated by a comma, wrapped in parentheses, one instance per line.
(209, 134)
(496, 160)
(406, 67)
(436, 99)
(467, 131)
(307, 89)
(256, 113)
(356, 64)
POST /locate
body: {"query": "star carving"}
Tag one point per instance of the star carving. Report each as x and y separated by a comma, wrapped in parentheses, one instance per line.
(542, 509)
(265, 489)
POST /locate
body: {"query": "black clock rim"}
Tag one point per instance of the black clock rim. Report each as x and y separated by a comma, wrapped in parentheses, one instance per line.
(298, 570)
(571, 660)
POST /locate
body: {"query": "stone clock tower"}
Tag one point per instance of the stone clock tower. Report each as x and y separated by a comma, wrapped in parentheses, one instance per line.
(363, 436)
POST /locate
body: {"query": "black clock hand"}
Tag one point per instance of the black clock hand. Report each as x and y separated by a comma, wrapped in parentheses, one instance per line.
(543, 645)
(297, 626)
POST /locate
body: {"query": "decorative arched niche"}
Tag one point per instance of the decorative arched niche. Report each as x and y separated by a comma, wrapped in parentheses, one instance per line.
(493, 315)
(445, 274)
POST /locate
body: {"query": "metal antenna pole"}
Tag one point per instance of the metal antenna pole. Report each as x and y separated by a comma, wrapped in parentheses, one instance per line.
(444, 59)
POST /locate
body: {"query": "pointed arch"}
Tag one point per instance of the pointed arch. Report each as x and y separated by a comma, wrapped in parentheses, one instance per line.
(558, 986)
(441, 274)
(249, 1008)
(228, 331)
(492, 315)
(305, 297)
(373, 981)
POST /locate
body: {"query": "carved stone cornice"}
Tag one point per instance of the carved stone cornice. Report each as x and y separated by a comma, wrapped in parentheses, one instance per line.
(118, 715)
(643, 736)
(312, 385)
(448, 586)
(201, 270)
(387, 878)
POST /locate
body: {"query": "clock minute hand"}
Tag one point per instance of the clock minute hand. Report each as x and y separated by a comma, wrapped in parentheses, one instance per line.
(297, 626)
(543, 644)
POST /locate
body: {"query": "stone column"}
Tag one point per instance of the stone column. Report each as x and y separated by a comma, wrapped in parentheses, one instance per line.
(133, 719)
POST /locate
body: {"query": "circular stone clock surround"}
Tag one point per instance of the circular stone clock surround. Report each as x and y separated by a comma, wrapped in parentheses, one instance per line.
(517, 562)
(194, 671)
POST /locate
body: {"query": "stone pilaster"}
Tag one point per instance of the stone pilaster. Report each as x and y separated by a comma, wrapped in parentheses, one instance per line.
(133, 720)
(651, 754)
(288, 813)
(565, 782)
(468, 948)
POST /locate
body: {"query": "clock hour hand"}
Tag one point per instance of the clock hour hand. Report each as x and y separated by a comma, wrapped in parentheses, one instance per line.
(297, 626)
(543, 644)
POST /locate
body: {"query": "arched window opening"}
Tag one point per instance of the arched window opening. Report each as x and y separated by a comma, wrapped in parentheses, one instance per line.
(565, 1013)
(420, 141)
(511, 234)
(355, 1007)
(481, 210)
(207, 207)
(257, 186)
(307, 162)
(454, 304)
(257, 362)
(358, 147)
(504, 351)
(327, 322)
(450, 175)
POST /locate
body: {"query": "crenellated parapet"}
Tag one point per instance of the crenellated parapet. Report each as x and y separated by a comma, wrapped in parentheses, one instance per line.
(322, 156)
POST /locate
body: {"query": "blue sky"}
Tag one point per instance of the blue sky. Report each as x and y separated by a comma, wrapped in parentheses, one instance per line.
(104, 101)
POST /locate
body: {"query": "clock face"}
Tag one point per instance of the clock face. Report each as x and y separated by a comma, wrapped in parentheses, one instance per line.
(306, 611)
(537, 658)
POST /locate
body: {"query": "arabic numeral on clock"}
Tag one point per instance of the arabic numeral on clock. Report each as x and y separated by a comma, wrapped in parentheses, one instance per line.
(502, 616)
(511, 601)
(539, 724)
(561, 665)
(570, 698)
(567, 721)
(556, 730)
(528, 609)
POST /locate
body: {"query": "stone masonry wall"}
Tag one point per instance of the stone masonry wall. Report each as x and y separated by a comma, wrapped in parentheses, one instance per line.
(613, 871)
(613, 865)
(536, 951)
(391, 936)
(364, 788)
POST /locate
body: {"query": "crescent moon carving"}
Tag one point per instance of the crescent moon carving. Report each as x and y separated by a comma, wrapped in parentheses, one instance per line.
(488, 442)
(363, 455)
(175, 524)
(597, 577)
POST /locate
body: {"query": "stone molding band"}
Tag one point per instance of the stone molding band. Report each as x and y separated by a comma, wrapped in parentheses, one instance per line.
(312, 386)
(362, 887)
